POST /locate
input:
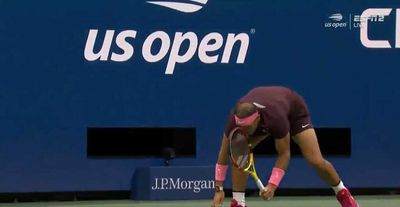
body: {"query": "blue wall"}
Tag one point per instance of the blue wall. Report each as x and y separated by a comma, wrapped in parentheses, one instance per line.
(50, 93)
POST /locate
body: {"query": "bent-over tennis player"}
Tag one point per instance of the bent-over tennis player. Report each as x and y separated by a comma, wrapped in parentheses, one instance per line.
(279, 113)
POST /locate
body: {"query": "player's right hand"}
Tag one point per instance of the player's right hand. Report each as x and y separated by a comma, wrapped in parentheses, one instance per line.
(218, 199)
(268, 192)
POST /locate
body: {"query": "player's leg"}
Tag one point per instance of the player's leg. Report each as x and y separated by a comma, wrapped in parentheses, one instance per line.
(308, 143)
(305, 137)
(239, 182)
(239, 178)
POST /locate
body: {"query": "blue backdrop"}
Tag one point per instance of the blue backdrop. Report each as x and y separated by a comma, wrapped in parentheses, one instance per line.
(50, 92)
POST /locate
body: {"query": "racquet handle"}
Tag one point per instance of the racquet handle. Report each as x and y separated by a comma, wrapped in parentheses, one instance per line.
(260, 184)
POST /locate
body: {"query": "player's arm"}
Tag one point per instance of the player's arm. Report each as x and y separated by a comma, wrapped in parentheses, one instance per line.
(221, 166)
(282, 146)
(220, 172)
(222, 161)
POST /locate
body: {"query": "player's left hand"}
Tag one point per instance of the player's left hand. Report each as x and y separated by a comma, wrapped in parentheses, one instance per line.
(268, 192)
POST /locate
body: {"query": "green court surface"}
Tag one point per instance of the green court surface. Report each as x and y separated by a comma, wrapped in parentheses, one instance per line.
(305, 201)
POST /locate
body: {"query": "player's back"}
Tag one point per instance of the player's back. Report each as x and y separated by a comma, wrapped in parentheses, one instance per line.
(271, 97)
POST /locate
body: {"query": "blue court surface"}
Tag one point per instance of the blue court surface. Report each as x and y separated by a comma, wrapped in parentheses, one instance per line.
(304, 201)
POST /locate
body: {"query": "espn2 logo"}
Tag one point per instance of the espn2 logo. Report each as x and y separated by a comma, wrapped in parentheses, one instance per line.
(189, 7)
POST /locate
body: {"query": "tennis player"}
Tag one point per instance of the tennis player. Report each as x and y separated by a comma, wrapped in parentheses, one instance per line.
(279, 113)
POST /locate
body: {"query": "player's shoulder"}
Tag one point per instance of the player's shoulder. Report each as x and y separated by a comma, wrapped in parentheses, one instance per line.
(230, 124)
(272, 88)
(267, 93)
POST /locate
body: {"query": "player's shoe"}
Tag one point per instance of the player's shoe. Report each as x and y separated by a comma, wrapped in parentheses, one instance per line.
(345, 199)
(234, 203)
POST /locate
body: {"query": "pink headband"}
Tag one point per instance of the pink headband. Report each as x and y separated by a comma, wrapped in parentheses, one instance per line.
(247, 120)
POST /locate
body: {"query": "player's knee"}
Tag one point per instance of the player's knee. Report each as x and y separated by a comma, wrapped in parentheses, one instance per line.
(317, 163)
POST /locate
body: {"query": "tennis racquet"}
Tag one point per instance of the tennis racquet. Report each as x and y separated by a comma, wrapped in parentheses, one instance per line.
(242, 154)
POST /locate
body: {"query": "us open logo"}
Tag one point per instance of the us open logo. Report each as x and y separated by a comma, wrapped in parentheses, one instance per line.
(159, 45)
(189, 6)
(335, 21)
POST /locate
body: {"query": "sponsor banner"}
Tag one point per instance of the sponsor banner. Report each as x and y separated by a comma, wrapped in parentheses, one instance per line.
(173, 183)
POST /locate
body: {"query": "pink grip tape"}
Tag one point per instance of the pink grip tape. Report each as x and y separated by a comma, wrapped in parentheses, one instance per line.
(276, 176)
(220, 172)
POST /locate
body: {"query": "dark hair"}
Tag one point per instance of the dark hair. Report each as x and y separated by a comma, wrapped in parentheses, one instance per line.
(244, 109)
